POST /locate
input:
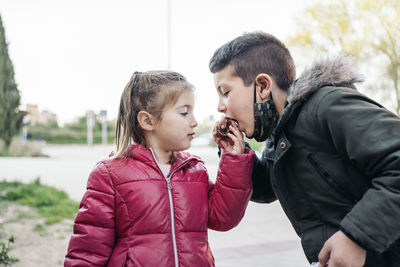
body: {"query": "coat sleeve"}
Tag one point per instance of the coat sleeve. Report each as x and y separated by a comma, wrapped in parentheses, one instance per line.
(369, 137)
(261, 178)
(229, 196)
(94, 227)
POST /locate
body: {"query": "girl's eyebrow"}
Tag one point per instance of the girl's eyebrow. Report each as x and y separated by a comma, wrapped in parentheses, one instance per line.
(184, 106)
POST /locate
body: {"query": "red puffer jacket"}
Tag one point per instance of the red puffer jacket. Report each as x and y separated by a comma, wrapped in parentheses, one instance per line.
(131, 215)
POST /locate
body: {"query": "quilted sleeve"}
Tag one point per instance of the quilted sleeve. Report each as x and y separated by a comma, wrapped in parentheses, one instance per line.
(94, 228)
(229, 196)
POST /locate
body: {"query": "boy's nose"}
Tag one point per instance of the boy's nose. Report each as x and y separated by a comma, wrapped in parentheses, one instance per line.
(221, 106)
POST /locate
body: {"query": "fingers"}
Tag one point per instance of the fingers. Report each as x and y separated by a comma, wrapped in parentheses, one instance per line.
(217, 139)
(237, 138)
(214, 131)
(236, 132)
(324, 255)
(232, 141)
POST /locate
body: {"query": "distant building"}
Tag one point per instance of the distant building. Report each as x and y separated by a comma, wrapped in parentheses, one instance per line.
(34, 116)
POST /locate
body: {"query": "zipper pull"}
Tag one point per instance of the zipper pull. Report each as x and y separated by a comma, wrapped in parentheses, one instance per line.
(169, 186)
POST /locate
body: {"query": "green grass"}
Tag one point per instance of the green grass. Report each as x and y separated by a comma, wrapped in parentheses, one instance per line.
(254, 144)
(51, 203)
(38, 228)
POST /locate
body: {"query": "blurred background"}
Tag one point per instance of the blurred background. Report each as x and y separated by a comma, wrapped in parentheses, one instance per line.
(64, 64)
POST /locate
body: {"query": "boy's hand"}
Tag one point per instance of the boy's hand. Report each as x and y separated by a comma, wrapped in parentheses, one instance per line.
(233, 142)
(341, 251)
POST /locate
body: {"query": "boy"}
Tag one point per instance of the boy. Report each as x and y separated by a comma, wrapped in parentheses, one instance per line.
(332, 155)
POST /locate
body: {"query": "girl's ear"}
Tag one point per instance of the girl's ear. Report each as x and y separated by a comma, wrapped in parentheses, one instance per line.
(145, 120)
(264, 82)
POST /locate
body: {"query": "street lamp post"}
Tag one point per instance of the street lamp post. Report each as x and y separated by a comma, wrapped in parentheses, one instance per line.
(90, 124)
(169, 33)
(103, 118)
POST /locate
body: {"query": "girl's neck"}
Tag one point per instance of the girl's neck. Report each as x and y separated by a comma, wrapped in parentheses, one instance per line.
(163, 157)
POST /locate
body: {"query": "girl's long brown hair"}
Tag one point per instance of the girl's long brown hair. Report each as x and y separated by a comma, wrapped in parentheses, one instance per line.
(151, 91)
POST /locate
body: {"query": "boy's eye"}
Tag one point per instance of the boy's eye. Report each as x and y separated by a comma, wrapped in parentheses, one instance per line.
(225, 93)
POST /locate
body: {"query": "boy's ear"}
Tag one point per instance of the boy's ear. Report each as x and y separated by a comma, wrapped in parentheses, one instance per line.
(146, 120)
(264, 85)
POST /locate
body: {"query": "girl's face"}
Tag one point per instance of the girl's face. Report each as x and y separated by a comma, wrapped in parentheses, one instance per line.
(235, 99)
(175, 130)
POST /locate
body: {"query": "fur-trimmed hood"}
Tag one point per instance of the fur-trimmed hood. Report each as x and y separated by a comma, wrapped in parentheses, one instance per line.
(337, 71)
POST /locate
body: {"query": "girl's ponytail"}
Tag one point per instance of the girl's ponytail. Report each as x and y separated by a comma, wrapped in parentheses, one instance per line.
(126, 129)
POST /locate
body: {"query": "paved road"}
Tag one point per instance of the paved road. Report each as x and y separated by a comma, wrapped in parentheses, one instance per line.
(263, 238)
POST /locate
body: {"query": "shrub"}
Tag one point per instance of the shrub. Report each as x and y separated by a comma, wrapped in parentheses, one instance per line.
(5, 259)
(51, 203)
(2, 147)
(20, 148)
(16, 148)
(34, 149)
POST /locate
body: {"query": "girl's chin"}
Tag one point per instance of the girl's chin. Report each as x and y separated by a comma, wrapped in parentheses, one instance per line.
(182, 148)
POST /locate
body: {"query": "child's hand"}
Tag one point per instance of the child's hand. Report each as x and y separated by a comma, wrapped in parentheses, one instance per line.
(341, 251)
(232, 142)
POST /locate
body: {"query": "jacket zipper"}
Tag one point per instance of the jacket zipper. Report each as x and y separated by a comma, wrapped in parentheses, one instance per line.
(329, 179)
(171, 205)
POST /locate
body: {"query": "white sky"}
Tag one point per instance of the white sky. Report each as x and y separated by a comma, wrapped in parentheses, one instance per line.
(77, 55)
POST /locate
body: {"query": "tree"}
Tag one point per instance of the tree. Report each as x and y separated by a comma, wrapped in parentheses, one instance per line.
(10, 115)
(366, 29)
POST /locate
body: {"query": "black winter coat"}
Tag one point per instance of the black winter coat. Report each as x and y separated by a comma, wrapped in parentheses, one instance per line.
(334, 164)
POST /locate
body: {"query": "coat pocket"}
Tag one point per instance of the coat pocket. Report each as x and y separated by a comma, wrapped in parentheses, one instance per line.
(126, 260)
(121, 259)
(330, 179)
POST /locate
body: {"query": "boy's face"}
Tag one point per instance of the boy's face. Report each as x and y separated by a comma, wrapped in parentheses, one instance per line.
(235, 99)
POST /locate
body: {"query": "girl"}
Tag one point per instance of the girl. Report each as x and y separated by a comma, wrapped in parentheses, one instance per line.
(151, 203)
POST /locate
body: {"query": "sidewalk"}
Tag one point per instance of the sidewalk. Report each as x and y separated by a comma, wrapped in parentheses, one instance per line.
(263, 238)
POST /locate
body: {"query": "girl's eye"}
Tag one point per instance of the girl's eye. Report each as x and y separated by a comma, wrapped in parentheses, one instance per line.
(184, 113)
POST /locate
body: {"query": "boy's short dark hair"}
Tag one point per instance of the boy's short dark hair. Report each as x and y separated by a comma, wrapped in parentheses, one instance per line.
(253, 53)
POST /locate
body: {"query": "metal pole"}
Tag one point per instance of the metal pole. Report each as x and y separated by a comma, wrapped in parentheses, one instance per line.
(90, 124)
(169, 32)
(103, 116)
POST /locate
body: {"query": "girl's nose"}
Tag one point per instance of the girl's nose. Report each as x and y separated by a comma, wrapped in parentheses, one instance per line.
(194, 122)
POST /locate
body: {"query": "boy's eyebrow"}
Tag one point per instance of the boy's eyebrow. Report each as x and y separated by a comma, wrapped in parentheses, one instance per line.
(219, 86)
(222, 84)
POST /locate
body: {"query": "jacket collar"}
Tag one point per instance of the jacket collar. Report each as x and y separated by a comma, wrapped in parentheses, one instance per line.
(336, 71)
(145, 155)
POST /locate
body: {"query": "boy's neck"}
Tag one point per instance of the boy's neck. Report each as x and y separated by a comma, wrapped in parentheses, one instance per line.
(279, 100)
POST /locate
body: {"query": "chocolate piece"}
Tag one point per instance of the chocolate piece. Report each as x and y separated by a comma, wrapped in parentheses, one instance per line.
(223, 132)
